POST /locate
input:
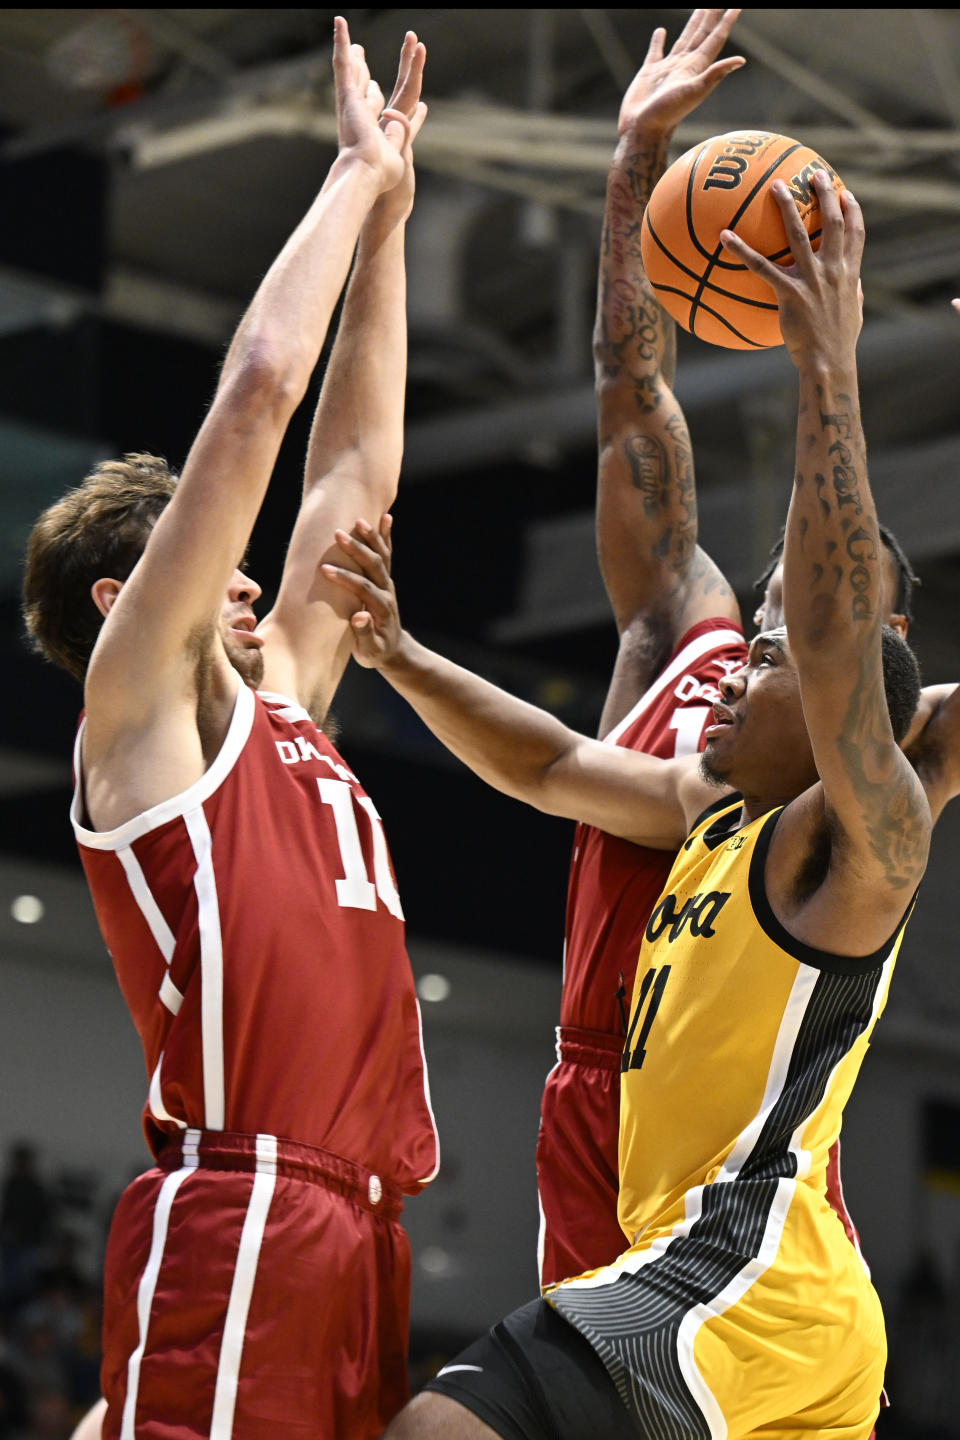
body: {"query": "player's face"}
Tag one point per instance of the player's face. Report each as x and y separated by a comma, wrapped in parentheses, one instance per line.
(769, 613)
(243, 645)
(758, 740)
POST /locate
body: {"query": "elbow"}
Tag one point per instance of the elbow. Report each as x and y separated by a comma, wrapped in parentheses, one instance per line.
(265, 376)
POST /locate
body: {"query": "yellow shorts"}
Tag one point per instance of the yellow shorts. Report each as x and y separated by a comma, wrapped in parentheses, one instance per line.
(748, 1318)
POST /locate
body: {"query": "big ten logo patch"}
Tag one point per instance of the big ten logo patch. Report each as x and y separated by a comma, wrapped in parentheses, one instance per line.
(698, 911)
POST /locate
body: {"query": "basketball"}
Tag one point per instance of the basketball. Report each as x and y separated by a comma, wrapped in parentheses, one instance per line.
(724, 183)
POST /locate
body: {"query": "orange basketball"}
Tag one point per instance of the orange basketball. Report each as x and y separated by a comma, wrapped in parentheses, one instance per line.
(724, 183)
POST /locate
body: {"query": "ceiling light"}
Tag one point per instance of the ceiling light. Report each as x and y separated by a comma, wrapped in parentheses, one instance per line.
(27, 909)
(433, 987)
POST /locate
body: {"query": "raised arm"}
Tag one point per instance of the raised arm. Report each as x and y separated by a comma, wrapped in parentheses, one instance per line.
(356, 441)
(877, 822)
(658, 580)
(523, 751)
(933, 744)
(163, 629)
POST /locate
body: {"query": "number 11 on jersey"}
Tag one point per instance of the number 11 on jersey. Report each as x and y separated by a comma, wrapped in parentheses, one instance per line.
(355, 890)
(652, 986)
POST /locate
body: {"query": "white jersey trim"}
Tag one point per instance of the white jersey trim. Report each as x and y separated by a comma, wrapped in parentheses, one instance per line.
(699, 646)
(169, 995)
(158, 1110)
(148, 1281)
(426, 1095)
(241, 1291)
(147, 905)
(194, 796)
(211, 970)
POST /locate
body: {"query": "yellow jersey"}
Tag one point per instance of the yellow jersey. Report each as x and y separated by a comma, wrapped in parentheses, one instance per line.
(742, 1049)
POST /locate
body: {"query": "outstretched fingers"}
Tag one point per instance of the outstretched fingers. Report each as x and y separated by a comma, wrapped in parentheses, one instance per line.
(705, 31)
(694, 30)
(342, 62)
(406, 91)
(718, 71)
(655, 49)
(714, 39)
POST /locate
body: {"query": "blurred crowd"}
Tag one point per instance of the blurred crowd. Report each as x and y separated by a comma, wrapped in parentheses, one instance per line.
(51, 1247)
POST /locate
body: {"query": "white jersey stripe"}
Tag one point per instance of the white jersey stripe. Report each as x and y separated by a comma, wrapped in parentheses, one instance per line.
(211, 970)
(147, 1287)
(800, 996)
(245, 1272)
(148, 906)
(170, 996)
(426, 1095)
(157, 1108)
(795, 1009)
(698, 646)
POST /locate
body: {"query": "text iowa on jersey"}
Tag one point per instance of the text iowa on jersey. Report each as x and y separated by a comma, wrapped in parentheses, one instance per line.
(698, 911)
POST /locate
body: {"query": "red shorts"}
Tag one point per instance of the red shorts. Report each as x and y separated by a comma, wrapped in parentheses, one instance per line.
(577, 1156)
(254, 1287)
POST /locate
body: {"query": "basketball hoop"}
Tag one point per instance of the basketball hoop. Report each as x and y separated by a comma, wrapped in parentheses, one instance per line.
(108, 53)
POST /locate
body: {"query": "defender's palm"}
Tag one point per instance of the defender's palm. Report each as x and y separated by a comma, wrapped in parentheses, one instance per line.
(668, 87)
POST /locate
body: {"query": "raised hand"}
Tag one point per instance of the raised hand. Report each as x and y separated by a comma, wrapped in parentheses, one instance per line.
(376, 622)
(364, 129)
(397, 203)
(667, 87)
(818, 296)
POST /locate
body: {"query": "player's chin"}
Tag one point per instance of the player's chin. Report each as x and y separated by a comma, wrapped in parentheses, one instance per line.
(248, 664)
(714, 769)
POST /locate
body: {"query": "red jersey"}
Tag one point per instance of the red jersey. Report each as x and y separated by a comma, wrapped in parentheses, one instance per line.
(258, 938)
(614, 885)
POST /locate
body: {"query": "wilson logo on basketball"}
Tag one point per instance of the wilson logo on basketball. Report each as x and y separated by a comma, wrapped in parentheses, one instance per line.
(801, 186)
(729, 167)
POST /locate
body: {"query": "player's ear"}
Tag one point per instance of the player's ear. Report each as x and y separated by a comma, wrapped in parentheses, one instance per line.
(104, 592)
(900, 623)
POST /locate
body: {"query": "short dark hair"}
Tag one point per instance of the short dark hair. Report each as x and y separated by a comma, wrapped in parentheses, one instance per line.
(97, 529)
(901, 681)
(906, 579)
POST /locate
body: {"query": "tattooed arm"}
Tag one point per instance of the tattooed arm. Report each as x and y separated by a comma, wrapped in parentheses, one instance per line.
(868, 820)
(659, 581)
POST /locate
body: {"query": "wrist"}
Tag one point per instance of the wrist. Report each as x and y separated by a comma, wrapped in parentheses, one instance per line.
(827, 369)
(388, 217)
(359, 171)
(401, 657)
(640, 139)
